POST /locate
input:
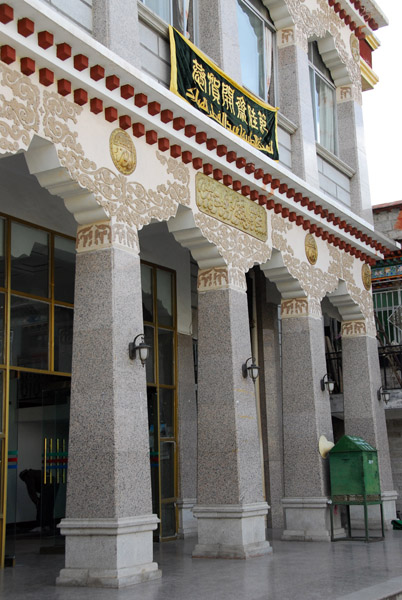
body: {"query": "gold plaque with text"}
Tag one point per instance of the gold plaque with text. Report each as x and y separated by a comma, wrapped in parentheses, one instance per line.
(226, 205)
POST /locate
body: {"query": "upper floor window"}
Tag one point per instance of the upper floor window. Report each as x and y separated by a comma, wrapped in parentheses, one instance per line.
(324, 100)
(176, 12)
(256, 42)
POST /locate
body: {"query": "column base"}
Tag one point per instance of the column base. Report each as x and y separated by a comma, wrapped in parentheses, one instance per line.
(231, 531)
(111, 553)
(373, 513)
(308, 520)
(187, 522)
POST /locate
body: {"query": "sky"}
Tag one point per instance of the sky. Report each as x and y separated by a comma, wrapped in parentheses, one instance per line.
(382, 111)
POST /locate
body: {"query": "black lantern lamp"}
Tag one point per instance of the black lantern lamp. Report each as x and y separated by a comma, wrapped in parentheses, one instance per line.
(383, 394)
(327, 383)
(252, 370)
(142, 348)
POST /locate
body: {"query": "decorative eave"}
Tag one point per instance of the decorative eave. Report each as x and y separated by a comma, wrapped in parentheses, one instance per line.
(72, 61)
(369, 77)
(361, 16)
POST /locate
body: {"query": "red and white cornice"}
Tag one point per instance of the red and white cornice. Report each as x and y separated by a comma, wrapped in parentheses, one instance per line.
(88, 73)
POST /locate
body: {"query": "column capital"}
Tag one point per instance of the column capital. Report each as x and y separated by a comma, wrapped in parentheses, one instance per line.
(353, 329)
(107, 234)
(221, 278)
(300, 307)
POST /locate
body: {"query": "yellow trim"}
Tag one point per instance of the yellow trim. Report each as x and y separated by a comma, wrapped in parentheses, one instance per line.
(368, 75)
(373, 41)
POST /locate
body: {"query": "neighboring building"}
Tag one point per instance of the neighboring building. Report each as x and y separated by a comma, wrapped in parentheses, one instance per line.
(387, 296)
(124, 203)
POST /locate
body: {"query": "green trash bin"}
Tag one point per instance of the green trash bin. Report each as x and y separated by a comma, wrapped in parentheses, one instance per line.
(355, 480)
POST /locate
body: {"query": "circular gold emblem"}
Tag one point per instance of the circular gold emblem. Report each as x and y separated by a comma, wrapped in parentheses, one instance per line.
(310, 246)
(122, 151)
(354, 47)
(366, 276)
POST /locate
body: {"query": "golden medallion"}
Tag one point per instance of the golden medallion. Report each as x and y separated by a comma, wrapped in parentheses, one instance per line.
(122, 151)
(355, 47)
(366, 276)
(310, 246)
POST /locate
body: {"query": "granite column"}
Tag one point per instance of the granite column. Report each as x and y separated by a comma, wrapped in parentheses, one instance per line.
(109, 522)
(230, 508)
(363, 412)
(306, 416)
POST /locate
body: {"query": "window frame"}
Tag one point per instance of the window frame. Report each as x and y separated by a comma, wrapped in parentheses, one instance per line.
(267, 24)
(193, 24)
(316, 72)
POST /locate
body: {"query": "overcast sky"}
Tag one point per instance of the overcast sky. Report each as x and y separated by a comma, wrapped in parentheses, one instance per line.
(382, 109)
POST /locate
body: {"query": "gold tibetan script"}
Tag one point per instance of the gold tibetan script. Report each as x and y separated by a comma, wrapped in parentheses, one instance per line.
(122, 151)
(216, 200)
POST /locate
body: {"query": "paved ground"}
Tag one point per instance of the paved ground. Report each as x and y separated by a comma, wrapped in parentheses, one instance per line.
(294, 571)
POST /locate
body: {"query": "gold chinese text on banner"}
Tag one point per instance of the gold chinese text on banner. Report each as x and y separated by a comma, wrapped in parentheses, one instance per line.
(196, 79)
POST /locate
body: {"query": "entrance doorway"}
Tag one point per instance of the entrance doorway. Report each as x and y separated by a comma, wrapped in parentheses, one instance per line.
(37, 461)
(159, 310)
(37, 269)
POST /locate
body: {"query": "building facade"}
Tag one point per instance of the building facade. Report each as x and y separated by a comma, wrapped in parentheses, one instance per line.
(151, 222)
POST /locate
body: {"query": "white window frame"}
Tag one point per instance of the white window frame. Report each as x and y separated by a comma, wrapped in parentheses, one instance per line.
(316, 72)
(266, 25)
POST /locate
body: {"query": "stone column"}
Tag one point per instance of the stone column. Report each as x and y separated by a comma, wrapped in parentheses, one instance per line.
(109, 522)
(187, 421)
(352, 149)
(115, 25)
(364, 414)
(306, 416)
(217, 28)
(295, 101)
(267, 300)
(231, 511)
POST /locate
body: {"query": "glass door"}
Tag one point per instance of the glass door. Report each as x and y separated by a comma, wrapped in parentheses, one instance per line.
(159, 310)
(55, 423)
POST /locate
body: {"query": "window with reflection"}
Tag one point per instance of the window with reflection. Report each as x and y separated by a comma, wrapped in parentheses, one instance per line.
(178, 13)
(256, 41)
(323, 94)
(2, 253)
(29, 260)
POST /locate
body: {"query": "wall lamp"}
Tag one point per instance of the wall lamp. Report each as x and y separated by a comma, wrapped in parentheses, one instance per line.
(252, 370)
(383, 394)
(327, 383)
(142, 348)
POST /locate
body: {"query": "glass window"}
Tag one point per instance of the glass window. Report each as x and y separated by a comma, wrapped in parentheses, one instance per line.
(63, 338)
(176, 12)
(164, 286)
(166, 356)
(2, 325)
(29, 260)
(166, 408)
(2, 253)
(167, 469)
(147, 293)
(64, 269)
(323, 99)
(256, 48)
(29, 334)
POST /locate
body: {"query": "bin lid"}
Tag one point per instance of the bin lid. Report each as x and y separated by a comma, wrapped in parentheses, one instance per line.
(352, 443)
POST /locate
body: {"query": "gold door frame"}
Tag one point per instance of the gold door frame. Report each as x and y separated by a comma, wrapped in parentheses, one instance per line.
(157, 386)
(6, 367)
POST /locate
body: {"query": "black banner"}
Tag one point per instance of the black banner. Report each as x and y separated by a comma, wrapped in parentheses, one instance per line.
(199, 81)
